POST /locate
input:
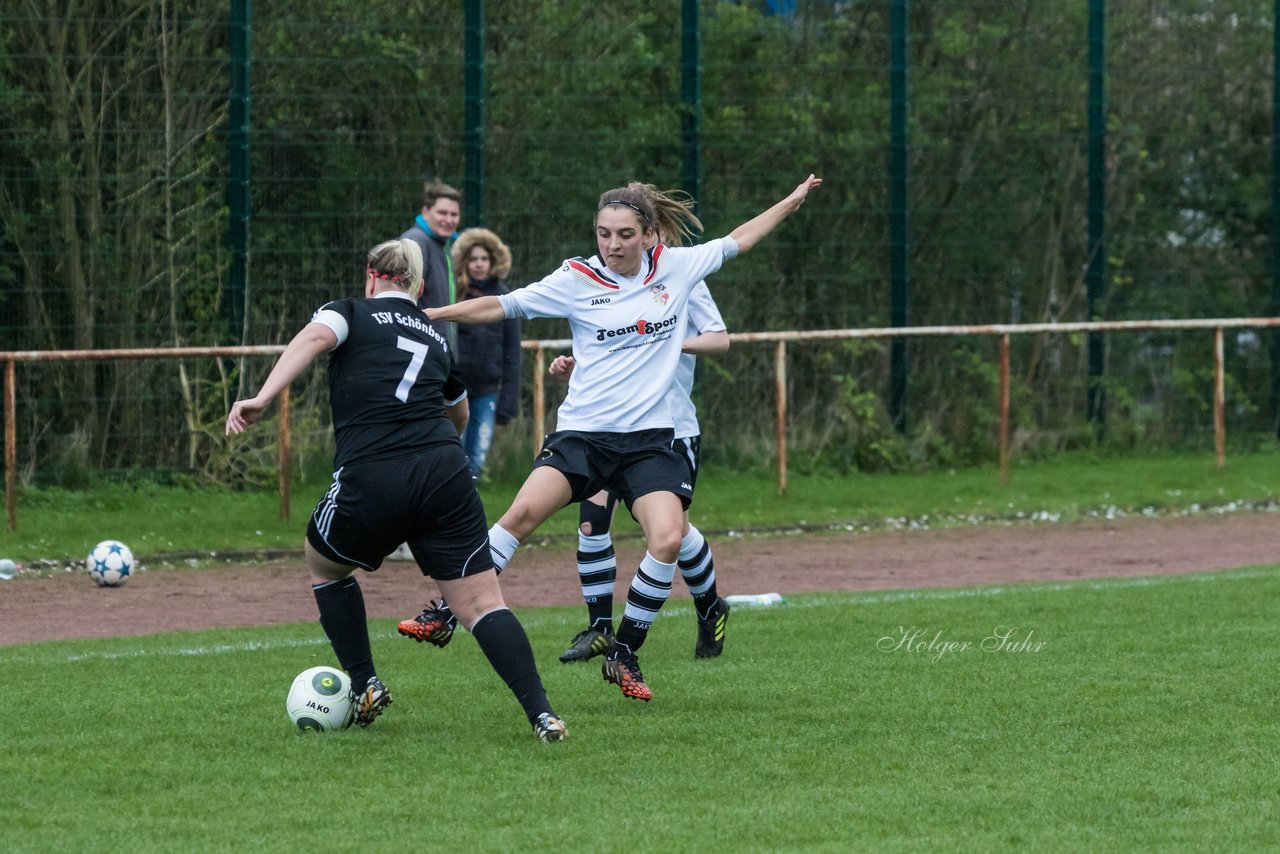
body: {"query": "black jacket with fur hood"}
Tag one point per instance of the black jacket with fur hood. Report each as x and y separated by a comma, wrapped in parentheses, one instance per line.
(488, 353)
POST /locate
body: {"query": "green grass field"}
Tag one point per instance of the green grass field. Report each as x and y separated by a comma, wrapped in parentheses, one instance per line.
(1144, 720)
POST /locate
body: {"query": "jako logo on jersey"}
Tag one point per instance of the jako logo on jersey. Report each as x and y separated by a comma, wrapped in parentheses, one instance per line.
(600, 301)
(640, 327)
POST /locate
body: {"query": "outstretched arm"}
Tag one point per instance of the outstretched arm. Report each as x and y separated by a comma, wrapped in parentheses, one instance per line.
(478, 310)
(752, 232)
(707, 343)
(314, 339)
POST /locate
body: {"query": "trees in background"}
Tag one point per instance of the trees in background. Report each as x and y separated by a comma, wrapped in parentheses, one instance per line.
(113, 171)
(112, 219)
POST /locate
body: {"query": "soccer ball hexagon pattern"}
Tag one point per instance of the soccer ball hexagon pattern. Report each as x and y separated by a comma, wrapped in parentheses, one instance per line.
(110, 563)
(320, 700)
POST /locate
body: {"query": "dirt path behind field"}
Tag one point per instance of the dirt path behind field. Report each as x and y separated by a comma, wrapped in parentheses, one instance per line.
(163, 600)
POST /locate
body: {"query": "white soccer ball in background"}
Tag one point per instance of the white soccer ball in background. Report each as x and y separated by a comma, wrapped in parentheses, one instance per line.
(110, 563)
(320, 700)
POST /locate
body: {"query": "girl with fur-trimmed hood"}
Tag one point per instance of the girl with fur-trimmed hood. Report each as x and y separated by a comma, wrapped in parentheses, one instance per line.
(488, 354)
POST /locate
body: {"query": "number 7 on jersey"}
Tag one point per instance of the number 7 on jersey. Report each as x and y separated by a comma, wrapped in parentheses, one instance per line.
(419, 352)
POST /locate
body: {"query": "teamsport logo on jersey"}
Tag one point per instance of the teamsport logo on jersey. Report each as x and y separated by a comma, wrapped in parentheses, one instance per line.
(640, 327)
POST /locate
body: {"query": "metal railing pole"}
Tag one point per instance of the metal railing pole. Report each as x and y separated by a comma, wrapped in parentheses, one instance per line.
(780, 396)
(1004, 409)
(1219, 400)
(539, 397)
(286, 452)
(10, 443)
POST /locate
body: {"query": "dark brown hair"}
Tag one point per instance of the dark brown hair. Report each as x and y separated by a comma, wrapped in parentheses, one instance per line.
(432, 191)
(670, 212)
(499, 258)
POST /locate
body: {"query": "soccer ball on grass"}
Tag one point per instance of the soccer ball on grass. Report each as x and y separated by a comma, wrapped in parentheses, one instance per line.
(110, 563)
(320, 700)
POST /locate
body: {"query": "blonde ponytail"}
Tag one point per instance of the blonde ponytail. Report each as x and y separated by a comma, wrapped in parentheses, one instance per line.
(399, 262)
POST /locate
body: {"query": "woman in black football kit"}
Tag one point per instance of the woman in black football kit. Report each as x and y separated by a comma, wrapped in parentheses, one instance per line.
(626, 309)
(399, 476)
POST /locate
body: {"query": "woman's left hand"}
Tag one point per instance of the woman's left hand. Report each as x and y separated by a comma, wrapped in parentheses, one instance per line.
(802, 191)
(561, 367)
(243, 413)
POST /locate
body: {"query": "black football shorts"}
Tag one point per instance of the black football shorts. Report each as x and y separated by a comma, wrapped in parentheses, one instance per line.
(629, 465)
(427, 500)
(689, 449)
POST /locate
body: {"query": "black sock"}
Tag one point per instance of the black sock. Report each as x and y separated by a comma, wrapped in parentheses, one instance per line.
(505, 644)
(597, 571)
(649, 590)
(630, 637)
(342, 617)
(698, 568)
(704, 603)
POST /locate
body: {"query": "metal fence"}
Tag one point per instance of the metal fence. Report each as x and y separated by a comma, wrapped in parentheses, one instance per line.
(781, 398)
(208, 173)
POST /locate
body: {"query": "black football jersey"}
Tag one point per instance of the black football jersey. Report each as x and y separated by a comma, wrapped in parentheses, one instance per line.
(389, 380)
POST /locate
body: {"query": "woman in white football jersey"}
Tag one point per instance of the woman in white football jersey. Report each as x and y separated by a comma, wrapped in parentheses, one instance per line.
(627, 308)
(597, 562)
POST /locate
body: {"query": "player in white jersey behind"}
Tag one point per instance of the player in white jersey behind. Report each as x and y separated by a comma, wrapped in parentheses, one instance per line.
(596, 559)
(627, 310)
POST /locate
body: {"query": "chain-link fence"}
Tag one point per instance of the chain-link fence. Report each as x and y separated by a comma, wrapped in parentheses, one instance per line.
(118, 195)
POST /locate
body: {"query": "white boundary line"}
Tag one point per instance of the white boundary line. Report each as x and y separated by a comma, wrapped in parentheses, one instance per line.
(542, 618)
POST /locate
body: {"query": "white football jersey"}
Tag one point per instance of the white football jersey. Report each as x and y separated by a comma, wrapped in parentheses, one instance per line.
(704, 316)
(627, 332)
